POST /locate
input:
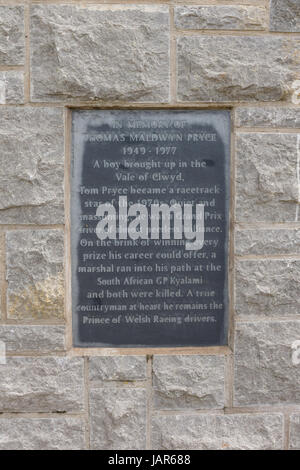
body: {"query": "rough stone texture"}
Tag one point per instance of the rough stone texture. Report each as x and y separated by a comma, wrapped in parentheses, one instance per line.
(42, 434)
(285, 15)
(41, 338)
(31, 165)
(295, 432)
(267, 242)
(12, 46)
(264, 371)
(118, 418)
(211, 432)
(2, 274)
(232, 17)
(116, 369)
(267, 287)
(267, 117)
(41, 384)
(35, 274)
(241, 68)
(267, 180)
(11, 87)
(104, 53)
(194, 382)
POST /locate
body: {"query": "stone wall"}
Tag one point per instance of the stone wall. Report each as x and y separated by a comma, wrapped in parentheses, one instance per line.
(238, 54)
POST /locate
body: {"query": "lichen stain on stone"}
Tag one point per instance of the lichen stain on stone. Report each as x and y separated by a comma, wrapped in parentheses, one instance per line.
(44, 300)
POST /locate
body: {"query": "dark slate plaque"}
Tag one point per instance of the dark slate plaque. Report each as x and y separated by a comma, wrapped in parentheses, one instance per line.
(146, 186)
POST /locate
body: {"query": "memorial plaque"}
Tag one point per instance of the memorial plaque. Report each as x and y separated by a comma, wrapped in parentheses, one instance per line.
(149, 228)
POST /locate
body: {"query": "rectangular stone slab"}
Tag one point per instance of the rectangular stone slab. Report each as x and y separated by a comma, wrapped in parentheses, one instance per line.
(100, 53)
(236, 68)
(151, 290)
(12, 44)
(285, 15)
(259, 431)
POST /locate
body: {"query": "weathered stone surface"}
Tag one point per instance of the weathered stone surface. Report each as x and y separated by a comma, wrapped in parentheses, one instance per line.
(2, 274)
(118, 418)
(211, 432)
(12, 46)
(42, 434)
(264, 370)
(267, 242)
(116, 369)
(35, 274)
(105, 53)
(295, 432)
(267, 287)
(11, 87)
(41, 338)
(230, 17)
(267, 180)
(31, 165)
(240, 68)
(194, 382)
(41, 384)
(285, 15)
(267, 117)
